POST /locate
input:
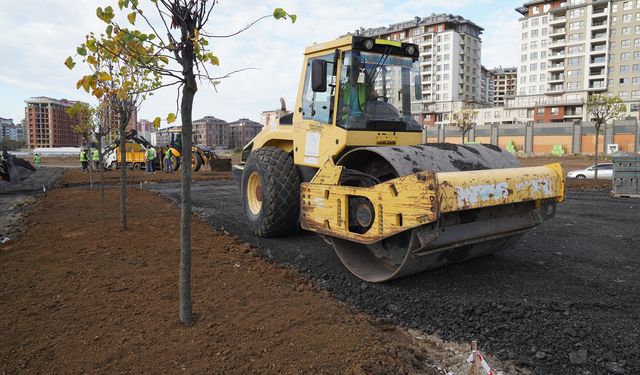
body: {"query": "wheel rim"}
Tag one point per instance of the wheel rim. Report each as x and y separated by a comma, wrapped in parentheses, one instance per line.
(254, 193)
(194, 162)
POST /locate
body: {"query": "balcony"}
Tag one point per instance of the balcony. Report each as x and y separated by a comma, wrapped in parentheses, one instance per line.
(556, 56)
(558, 31)
(598, 85)
(555, 89)
(557, 43)
(556, 78)
(597, 60)
(598, 25)
(598, 13)
(557, 20)
(598, 36)
(554, 67)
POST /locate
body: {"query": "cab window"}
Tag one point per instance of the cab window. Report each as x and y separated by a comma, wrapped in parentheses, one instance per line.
(318, 105)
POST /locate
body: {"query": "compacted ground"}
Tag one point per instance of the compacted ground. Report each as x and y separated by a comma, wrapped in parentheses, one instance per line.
(564, 300)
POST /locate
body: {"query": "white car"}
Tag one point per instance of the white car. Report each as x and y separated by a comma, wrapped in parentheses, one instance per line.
(605, 172)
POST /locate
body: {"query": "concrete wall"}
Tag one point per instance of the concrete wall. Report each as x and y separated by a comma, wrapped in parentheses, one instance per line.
(540, 138)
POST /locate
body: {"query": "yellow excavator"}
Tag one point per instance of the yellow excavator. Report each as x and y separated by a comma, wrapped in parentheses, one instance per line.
(348, 164)
(200, 155)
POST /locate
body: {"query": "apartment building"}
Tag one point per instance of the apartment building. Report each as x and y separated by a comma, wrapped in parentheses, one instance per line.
(211, 131)
(571, 49)
(487, 87)
(145, 129)
(10, 131)
(504, 81)
(450, 53)
(49, 125)
(243, 131)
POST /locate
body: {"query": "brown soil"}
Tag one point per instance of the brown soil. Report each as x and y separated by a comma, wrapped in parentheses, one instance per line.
(78, 294)
(73, 177)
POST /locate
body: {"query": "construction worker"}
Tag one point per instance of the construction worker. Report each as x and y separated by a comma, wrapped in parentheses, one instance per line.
(84, 160)
(167, 160)
(37, 159)
(95, 158)
(150, 154)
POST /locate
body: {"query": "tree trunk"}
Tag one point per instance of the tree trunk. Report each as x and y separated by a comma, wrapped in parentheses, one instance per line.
(596, 149)
(100, 166)
(90, 158)
(188, 93)
(123, 172)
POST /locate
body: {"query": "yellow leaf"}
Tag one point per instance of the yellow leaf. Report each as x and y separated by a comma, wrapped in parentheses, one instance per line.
(86, 83)
(104, 76)
(79, 83)
(92, 60)
(164, 59)
(156, 122)
(98, 93)
(69, 62)
(132, 18)
(171, 117)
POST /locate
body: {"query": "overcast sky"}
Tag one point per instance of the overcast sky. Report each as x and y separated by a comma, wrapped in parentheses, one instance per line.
(39, 34)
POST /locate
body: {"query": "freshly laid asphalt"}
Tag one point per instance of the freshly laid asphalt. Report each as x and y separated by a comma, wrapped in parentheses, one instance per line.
(563, 300)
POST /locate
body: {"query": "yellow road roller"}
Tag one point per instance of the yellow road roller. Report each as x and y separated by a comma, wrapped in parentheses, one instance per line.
(348, 164)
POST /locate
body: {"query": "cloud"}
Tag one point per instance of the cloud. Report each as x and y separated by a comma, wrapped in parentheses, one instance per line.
(39, 34)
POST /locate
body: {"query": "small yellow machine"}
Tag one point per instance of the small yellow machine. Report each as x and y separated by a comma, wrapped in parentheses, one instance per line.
(348, 165)
(200, 155)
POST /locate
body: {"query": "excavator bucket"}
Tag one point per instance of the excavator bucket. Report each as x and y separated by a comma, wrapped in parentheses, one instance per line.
(220, 164)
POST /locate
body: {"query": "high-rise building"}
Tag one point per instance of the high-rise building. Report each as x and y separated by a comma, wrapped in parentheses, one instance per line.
(145, 129)
(49, 125)
(211, 131)
(504, 83)
(450, 52)
(570, 49)
(487, 87)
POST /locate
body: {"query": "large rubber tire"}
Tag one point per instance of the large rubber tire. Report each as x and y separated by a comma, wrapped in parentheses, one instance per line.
(176, 163)
(196, 162)
(276, 211)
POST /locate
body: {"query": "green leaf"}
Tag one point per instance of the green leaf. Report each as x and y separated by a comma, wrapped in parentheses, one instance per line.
(293, 18)
(81, 51)
(109, 30)
(171, 117)
(69, 63)
(152, 36)
(156, 122)
(214, 59)
(279, 13)
(132, 18)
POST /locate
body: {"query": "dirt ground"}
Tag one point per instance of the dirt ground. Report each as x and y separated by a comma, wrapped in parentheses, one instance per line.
(74, 177)
(78, 294)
